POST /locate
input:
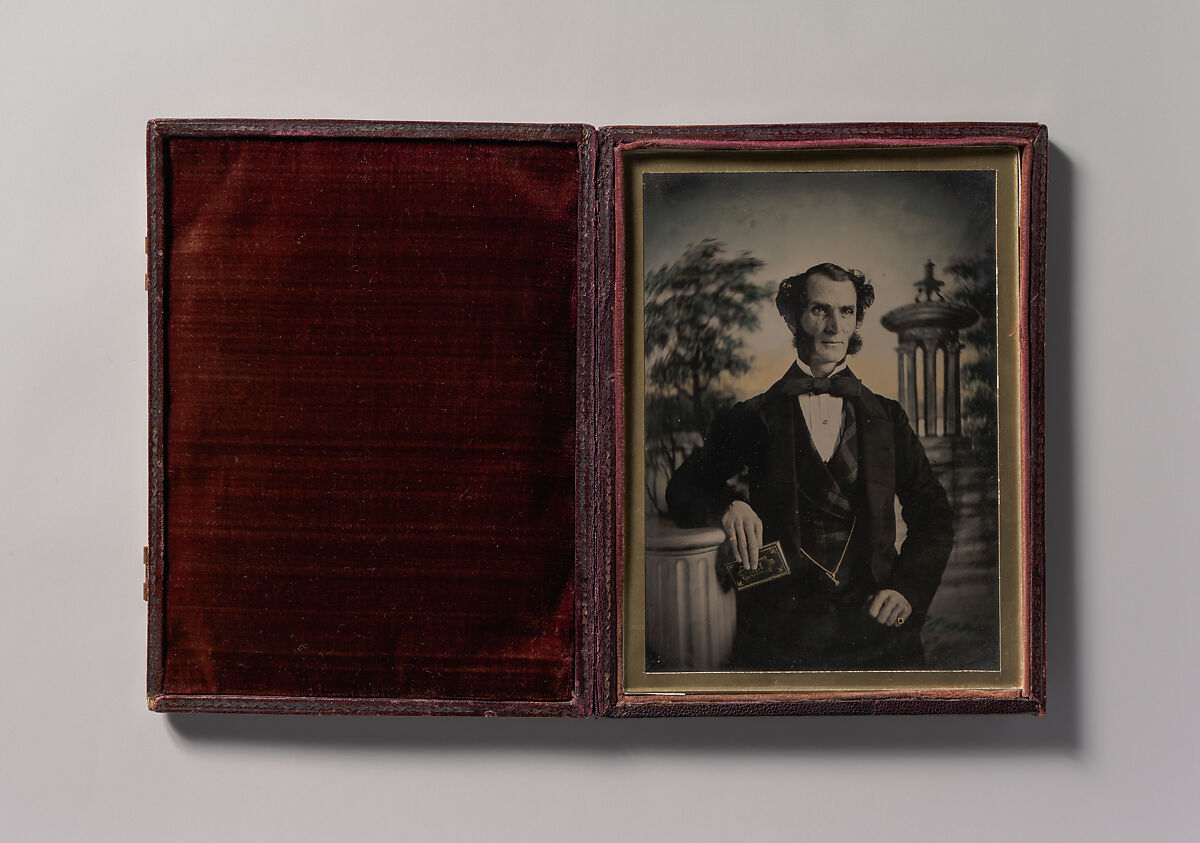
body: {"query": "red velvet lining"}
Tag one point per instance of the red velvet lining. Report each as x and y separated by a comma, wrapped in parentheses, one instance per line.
(370, 417)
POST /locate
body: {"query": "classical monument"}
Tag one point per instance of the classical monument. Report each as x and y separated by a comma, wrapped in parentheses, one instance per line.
(931, 324)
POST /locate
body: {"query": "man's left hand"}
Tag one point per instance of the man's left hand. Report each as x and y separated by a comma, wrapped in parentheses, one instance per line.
(890, 608)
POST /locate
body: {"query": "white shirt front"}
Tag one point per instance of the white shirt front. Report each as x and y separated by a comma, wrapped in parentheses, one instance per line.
(823, 415)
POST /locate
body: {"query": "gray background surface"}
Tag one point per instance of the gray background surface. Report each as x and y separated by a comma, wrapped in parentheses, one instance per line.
(1115, 758)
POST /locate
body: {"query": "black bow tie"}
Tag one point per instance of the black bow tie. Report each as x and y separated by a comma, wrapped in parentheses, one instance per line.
(846, 386)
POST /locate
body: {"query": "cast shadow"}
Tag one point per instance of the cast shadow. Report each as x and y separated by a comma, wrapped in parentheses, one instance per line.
(1064, 653)
(1057, 733)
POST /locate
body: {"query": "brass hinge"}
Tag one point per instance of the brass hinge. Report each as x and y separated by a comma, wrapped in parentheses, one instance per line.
(146, 573)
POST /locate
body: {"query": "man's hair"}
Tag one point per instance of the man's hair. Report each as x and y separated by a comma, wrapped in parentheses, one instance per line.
(792, 299)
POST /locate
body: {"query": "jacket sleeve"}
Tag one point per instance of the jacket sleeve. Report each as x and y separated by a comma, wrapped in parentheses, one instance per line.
(699, 491)
(917, 571)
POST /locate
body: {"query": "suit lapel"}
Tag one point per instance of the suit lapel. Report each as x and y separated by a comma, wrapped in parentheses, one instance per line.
(779, 413)
(878, 449)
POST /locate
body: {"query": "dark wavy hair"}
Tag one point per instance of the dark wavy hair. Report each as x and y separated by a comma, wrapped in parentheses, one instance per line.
(792, 299)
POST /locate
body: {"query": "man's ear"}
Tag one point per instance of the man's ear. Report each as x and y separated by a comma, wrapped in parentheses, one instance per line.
(787, 320)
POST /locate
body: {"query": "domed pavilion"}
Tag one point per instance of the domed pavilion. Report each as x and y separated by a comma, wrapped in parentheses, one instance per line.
(930, 324)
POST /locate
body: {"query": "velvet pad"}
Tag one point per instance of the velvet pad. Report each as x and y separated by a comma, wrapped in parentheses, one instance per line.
(370, 414)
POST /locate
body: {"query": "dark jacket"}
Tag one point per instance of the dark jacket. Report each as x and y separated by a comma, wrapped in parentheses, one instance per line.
(757, 439)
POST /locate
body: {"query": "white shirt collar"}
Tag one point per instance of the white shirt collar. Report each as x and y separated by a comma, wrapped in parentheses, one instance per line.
(804, 367)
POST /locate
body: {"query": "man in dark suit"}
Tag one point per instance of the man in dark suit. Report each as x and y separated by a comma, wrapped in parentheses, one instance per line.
(824, 460)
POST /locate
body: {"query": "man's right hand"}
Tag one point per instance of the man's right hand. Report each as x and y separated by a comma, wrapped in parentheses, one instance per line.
(743, 529)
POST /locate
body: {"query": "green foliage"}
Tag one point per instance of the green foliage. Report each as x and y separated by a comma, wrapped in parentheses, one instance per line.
(697, 310)
(977, 288)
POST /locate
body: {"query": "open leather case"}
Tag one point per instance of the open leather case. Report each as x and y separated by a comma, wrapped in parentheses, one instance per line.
(392, 420)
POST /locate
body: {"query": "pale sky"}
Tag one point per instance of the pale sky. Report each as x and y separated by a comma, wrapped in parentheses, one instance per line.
(886, 224)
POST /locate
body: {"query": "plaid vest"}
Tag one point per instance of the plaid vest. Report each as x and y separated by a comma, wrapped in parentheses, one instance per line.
(825, 494)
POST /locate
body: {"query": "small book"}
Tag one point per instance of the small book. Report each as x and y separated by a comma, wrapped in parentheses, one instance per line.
(771, 566)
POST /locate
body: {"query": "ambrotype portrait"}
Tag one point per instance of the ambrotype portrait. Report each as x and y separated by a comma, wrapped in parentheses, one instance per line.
(819, 422)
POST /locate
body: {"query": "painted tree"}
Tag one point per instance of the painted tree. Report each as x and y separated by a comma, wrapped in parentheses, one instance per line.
(697, 312)
(977, 287)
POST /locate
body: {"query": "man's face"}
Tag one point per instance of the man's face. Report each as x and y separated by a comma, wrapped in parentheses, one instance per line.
(828, 321)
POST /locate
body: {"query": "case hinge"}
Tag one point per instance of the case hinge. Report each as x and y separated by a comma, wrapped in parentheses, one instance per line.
(146, 573)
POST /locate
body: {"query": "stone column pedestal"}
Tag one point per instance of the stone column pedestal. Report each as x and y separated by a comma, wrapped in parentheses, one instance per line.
(690, 615)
